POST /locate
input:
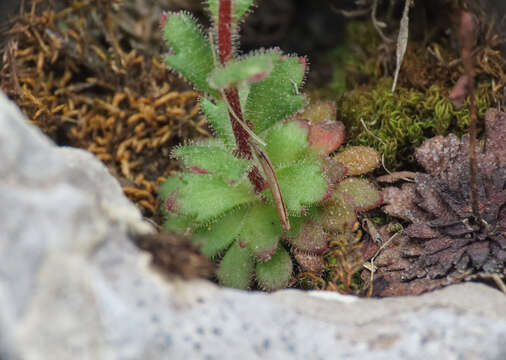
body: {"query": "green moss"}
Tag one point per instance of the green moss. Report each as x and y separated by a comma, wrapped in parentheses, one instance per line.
(398, 123)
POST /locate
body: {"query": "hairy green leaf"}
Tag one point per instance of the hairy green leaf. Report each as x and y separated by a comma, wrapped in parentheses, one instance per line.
(206, 196)
(302, 184)
(219, 119)
(287, 142)
(191, 55)
(276, 97)
(275, 273)
(178, 223)
(212, 159)
(218, 235)
(236, 268)
(251, 68)
(261, 231)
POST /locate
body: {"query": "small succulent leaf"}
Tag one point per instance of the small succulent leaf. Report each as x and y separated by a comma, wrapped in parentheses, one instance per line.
(178, 224)
(217, 114)
(359, 160)
(359, 193)
(237, 267)
(214, 160)
(326, 137)
(206, 196)
(286, 142)
(337, 215)
(322, 111)
(241, 7)
(276, 97)
(217, 236)
(251, 69)
(192, 55)
(302, 184)
(260, 231)
(334, 170)
(275, 273)
(310, 238)
(297, 220)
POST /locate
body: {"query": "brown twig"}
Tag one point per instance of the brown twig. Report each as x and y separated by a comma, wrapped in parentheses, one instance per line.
(272, 180)
(466, 33)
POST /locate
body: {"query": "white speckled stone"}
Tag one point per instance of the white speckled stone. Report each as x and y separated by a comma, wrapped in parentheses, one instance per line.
(73, 286)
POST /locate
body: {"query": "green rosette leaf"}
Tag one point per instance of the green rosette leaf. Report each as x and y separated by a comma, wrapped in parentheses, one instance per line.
(192, 55)
(207, 197)
(217, 236)
(217, 114)
(276, 272)
(213, 160)
(261, 230)
(287, 142)
(302, 185)
(236, 268)
(251, 68)
(276, 97)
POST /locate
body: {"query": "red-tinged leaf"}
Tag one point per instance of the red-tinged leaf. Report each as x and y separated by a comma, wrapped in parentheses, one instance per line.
(359, 159)
(334, 170)
(359, 193)
(310, 262)
(337, 216)
(326, 137)
(310, 238)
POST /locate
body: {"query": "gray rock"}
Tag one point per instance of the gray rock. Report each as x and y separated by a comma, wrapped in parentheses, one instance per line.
(73, 286)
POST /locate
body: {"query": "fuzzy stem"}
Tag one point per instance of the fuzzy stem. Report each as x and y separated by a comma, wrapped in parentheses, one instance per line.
(467, 28)
(225, 31)
(225, 51)
(231, 95)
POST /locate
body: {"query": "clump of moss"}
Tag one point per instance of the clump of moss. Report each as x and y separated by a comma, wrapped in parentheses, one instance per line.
(396, 123)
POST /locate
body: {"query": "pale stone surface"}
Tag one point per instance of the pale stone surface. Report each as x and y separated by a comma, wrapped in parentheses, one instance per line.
(73, 286)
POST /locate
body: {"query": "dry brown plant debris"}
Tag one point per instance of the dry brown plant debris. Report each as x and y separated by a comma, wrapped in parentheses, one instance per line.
(445, 242)
(176, 255)
(84, 72)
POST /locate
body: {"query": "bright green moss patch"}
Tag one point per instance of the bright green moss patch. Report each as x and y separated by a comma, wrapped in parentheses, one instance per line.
(397, 123)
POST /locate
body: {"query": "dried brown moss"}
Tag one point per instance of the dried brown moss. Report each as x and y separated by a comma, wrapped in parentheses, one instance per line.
(86, 73)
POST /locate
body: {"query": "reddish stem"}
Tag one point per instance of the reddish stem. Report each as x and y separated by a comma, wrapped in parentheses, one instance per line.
(225, 31)
(240, 134)
(232, 95)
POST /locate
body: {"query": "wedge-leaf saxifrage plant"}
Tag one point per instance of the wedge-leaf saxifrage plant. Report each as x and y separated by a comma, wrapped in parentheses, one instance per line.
(267, 173)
